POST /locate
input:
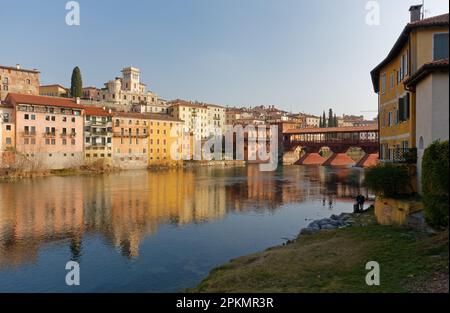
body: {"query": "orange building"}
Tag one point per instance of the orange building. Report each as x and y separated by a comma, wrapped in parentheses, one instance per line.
(130, 140)
(164, 131)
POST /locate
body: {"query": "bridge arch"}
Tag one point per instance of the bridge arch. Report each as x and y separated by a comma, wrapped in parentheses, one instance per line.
(338, 139)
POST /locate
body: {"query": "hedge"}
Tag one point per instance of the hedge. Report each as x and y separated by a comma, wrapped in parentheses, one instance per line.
(389, 180)
(435, 169)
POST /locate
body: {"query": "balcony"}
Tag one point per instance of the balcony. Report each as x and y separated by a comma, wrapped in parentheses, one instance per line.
(28, 134)
(404, 155)
(49, 135)
(127, 135)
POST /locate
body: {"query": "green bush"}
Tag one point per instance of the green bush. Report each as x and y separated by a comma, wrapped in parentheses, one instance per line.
(435, 169)
(389, 180)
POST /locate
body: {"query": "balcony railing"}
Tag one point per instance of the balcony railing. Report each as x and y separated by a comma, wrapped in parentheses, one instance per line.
(404, 155)
(127, 135)
(49, 134)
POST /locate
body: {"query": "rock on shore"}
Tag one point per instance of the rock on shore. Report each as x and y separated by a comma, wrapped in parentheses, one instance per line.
(334, 222)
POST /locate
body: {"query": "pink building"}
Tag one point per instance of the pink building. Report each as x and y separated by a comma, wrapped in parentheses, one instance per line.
(48, 130)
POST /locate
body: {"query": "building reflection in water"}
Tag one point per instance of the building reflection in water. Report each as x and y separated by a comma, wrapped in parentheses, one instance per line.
(124, 208)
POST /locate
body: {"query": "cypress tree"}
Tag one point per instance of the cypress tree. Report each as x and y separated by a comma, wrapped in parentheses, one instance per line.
(76, 88)
(324, 120)
(330, 118)
(335, 122)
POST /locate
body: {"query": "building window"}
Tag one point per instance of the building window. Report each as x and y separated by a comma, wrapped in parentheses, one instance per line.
(26, 116)
(421, 143)
(383, 83)
(8, 127)
(390, 119)
(440, 46)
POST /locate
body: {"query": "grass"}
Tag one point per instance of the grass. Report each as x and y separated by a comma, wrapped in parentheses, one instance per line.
(334, 261)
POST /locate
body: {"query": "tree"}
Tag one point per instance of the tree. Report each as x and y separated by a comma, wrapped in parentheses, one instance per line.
(324, 120)
(320, 122)
(76, 88)
(335, 121)
(330, 118)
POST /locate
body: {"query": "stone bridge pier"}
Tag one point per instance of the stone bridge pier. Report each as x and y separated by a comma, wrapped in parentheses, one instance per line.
(311, 156)
(339, 157)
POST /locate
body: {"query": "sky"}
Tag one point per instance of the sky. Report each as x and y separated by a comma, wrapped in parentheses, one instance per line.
(301, 56)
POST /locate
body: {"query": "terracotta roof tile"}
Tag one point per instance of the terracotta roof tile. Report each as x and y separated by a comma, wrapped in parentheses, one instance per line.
(15, 98)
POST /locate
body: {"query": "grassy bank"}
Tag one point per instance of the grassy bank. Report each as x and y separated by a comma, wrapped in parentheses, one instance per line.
(334, 261)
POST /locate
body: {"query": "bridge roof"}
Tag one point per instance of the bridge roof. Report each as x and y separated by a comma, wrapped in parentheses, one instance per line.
(354, 129)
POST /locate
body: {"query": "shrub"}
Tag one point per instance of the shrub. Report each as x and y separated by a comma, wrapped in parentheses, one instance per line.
(435, 169)
(390, 180)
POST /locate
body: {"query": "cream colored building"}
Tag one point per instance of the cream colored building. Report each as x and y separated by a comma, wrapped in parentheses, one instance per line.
(207, 116)
(430, 84)
(312, 121)
(127, 91)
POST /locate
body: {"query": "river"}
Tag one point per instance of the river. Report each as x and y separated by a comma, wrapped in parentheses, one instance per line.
(140, 231)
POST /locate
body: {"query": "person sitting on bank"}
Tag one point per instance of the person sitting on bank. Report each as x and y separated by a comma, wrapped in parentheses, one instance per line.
(360, 199)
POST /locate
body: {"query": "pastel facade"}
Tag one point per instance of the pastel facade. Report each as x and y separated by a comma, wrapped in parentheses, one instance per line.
(193, 115)
(217, 117)
(164, 131)
(18, 80)
(430, 85)
(130, 140)
(53, 91)
(49, 131)
(98, 135)
(312, 121)
(7, 131)
(421, 42)
(127, 90)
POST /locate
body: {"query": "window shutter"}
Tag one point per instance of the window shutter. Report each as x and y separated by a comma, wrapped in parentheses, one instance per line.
(407, 106)
(401, 109)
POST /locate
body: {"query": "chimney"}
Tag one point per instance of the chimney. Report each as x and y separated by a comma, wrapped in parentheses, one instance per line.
(416, 13)
(78, 100)
(18, 66)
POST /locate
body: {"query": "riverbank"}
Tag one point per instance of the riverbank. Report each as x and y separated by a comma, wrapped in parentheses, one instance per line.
(14, 174)
(6, 174)
(334, 261)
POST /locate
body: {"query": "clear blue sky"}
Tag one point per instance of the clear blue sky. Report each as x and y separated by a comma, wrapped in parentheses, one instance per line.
(295, 54)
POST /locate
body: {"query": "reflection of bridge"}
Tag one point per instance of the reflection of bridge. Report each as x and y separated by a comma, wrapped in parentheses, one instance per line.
(338, 139)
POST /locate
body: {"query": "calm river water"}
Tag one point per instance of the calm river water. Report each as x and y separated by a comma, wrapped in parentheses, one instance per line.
(142, 231)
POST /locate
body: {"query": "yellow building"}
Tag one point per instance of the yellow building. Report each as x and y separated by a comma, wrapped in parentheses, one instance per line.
(161, 139)
(421, 41)
(53, 91)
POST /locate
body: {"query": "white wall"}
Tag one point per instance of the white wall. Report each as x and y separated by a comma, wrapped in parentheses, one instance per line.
(432, 115)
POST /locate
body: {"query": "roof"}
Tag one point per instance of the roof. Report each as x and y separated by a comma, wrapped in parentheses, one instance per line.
(96, 111)
(435, 21)
(425, 70)
(53, 85)
(333, 130)
(19, 69)
(147, 116)
(186, 104)
(15, 98)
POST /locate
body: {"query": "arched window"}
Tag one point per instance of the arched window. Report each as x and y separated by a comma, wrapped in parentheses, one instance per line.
(421, 143)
